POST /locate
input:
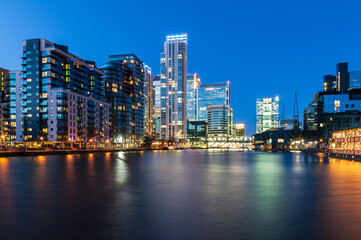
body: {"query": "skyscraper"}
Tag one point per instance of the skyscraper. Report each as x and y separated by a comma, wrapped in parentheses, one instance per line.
(193, 82)
(212, 94)
(267, 114)
(173, 76)
(62, 96)
(124, 87)
(157, 105)
(149, 102)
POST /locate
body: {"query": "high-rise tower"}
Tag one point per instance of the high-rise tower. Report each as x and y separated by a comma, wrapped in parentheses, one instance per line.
(173, 69)
(193, 82)
(267, 113)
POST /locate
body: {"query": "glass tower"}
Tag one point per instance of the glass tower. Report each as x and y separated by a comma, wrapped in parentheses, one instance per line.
(212, 94)
(267, 114)
(193, 82)
(173, 69)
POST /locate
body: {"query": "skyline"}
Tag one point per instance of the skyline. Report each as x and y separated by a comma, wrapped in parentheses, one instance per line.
(308, 42)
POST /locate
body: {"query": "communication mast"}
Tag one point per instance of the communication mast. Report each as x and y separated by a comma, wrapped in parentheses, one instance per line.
(296, 126)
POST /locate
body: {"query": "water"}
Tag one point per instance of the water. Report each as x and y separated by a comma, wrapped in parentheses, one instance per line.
(180, 195)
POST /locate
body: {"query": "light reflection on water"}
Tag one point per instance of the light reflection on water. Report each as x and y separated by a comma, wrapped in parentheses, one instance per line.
(180, 195)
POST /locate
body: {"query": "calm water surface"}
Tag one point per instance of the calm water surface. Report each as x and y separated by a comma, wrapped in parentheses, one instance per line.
(180, 195)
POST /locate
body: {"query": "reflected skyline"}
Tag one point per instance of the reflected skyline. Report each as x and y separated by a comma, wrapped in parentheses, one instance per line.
(180, 195)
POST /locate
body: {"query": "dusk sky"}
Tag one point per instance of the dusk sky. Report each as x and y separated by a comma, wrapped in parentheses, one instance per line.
(264, 48)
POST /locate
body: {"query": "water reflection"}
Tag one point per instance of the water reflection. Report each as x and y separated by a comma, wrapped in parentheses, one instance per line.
(180, 195)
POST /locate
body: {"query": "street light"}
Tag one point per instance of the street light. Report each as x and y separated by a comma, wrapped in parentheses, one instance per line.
(71, 143)
(42, 139)
(105, 144)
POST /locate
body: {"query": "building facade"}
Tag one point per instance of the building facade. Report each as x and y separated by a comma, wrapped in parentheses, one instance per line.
(197, 131)
(16, 106)
(4, 106)
(331, 111)
(136, 90)
(149, 126)
(240, 130)
(329, 83)
(124, 90)
(342, 77)
(273, 139)
(346, 142)
(355, 79)
(193, 82)
(212, 94)
(267, 114)
(157, 106)
(173, 88)
(62, 97)
(220, 121)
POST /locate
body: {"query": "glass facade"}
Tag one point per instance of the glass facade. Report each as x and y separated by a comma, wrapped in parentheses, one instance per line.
(332, 111)
(193, 82)
(339, 103)
(212, 94)
(355, 79)
(220, 121)
(197, 131)
(173, 69)
(267, 114)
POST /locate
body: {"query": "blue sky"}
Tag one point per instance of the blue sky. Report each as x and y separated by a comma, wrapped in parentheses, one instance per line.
(264, 48)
